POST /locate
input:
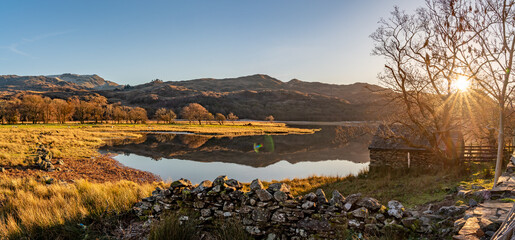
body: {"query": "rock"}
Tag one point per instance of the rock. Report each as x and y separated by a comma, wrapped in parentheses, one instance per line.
(472, 203)
(411, 222)
(477, 187)
(203, 186)
(2, 169)
(279, 217)
(451, 210)
(271, 236)
(463, 193)
(310, 197)
(471, 227)
(308, 205)
(353, 223)
(395, 209)
(458, 224)
(60, 162)
(347, 206)
(157, 208)
(180, 183)
(253, 230)
(234, 183)
(372, 229)
(227, 214)
(220, 180)
(274, 187)
(380, 217)
(360, 213)
(256, 185)
(353, 198)
(205, 212)
(337, 199)
(264, 195)
(217, 188)
(260, 215)
(321, 196)
(369, 203)
(280, 196)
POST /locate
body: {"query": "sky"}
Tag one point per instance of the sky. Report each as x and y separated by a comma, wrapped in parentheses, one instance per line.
(133, 42)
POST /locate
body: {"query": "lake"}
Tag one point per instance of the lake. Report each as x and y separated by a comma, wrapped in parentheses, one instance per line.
(332, 151)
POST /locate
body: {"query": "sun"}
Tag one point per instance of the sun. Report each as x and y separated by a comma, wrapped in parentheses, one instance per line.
(462, 84)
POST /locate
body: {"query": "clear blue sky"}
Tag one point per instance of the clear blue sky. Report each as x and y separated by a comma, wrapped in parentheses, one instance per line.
(132, 42)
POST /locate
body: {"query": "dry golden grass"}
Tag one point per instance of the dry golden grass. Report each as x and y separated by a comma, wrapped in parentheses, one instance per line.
(28, 206)
(81, 141)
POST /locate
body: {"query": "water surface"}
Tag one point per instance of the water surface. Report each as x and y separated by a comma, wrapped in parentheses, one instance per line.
(334, 151)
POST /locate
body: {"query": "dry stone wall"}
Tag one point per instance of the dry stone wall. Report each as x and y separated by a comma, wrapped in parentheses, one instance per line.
(273, 213)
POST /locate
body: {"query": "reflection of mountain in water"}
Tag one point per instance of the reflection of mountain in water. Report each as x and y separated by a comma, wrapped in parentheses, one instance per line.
(331, 143)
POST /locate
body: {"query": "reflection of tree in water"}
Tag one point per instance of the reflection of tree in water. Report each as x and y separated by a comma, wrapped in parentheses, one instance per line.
(194, 141)
(344, 135)
(164, 137)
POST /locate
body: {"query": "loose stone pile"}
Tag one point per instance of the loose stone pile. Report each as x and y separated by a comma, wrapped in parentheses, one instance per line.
(275, 214)
(43, 159)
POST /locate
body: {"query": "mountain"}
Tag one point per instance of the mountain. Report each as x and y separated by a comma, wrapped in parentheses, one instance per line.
(55, 83)
(258, 96)
(251, 97)
(87, 81)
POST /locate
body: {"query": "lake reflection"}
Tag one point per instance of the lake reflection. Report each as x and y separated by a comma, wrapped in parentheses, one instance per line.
(334, 150)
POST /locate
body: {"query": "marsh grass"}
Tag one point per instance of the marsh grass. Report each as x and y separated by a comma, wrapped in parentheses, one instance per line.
(29, 207)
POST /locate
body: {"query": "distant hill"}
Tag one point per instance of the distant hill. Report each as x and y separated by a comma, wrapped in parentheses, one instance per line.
(65, 82)
(252, 97)
(258, 96)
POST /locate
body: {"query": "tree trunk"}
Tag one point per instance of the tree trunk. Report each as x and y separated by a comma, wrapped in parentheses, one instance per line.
(500, 147)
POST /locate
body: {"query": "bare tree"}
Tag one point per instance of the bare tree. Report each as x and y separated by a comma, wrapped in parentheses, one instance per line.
(165, 115)
(232, 117)
(63, 110)
(195, 112)
(220, 118)
(270, 118)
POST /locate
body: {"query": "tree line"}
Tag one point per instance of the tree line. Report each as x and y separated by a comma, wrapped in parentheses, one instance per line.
(35, 109)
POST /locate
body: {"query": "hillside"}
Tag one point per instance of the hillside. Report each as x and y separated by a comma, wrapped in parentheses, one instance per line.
(54, 83)
(252, 97)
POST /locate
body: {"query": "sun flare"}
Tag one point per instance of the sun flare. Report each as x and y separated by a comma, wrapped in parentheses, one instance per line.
(462, 84)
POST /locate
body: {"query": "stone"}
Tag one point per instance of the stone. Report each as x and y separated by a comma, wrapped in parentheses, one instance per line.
(471, 227)
(463, 193)
(260, 215)
(2, 169)
(337, 199)
(279, 217)
(274, 187)
(256, 185)
(347, 206)
(411, 222)
(220, 180)
(451, 210)
(308, 205)
(372, 229)
(353, 223)
(310, 197)
(321, 196)
(60, 162)
(227, 214)
(234, 183)
(203, 186)
(353, 198)
(280, 196)
(180, 183)
(369, 203)
(199, 204)
(458, 224)
(271, 236)
(380, 217)
(472, 203)
(217, 188)
(253, 230)
(157, 208)
(264, 195)
(360, 213)
(395, 209)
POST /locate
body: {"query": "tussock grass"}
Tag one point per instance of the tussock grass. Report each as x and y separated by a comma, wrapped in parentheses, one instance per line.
(30, 207)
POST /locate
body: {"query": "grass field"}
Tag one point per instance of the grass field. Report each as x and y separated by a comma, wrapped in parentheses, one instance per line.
(82, 140)
(32, 209)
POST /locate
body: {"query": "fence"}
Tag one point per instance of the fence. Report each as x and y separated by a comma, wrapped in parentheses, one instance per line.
(483, 153)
